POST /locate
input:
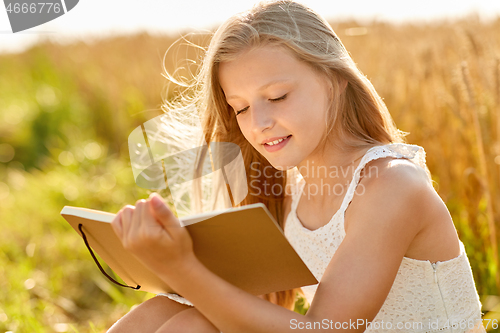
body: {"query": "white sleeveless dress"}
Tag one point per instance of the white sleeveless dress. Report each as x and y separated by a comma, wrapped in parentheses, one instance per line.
(425, 296)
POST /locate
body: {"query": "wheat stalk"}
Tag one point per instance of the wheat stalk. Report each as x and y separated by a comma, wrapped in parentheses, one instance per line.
(482, 167)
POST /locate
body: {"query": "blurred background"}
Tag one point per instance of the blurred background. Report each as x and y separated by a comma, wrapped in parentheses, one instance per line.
(72, 90)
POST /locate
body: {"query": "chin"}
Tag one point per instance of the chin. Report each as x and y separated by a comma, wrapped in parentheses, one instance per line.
(281, 163)
(281, 167)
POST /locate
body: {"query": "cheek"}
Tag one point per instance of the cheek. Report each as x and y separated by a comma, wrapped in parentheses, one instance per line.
(310, 109)
(245, 131)
(241, 126)
(314, 119)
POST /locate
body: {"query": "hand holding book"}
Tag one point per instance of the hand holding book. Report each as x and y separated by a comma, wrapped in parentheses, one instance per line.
(243, 245)
(152, 233)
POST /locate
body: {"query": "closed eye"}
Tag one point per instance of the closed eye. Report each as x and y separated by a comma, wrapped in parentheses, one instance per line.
(272, 100)
(279, 98)
(242, 110)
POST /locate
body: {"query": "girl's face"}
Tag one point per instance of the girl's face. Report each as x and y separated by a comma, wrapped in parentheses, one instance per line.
(277, 97)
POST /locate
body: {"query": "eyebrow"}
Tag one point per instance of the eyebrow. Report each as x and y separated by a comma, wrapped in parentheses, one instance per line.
(267, 85)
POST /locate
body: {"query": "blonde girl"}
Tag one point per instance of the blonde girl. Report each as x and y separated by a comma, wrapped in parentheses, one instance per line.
(362, 213)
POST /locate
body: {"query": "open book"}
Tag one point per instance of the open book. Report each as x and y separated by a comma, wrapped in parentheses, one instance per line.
(243, 245)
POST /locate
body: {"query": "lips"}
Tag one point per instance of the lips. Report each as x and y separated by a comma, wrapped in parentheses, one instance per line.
(278, 146)
(265, 142)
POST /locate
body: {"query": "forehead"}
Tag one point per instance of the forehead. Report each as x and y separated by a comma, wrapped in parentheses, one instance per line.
(259, 66)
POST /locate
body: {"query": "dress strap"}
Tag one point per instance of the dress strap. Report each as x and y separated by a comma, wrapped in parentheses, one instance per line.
(414, 153)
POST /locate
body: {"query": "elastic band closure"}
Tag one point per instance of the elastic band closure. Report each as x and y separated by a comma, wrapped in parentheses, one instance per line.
(99, 265)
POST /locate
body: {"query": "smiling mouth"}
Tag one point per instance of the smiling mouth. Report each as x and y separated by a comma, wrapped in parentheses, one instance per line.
(276, 141)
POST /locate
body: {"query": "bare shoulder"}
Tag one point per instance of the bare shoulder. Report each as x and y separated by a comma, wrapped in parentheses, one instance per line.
(388, 184)
(400, 188)
(394, 169)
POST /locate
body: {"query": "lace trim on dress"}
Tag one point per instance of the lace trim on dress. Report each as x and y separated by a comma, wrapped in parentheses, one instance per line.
(177, 298)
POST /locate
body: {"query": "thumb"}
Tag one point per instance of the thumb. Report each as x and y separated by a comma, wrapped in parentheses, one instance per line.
(162, 213)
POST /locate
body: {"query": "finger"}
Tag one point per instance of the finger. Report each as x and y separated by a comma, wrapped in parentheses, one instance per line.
(136, 222)
(126, 218)
(154, 194)
(155, 220)
(163, 214)
(150, 224)
(116, 224)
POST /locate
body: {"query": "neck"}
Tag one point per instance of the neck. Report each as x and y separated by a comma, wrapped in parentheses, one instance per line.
(328, 174)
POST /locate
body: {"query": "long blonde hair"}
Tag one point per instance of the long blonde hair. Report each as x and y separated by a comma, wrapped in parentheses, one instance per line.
(357, 116)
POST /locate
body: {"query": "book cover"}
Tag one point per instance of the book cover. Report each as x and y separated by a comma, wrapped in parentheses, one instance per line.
(243, 245)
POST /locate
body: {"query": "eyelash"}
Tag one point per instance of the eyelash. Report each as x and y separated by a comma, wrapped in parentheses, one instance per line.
(272, 100)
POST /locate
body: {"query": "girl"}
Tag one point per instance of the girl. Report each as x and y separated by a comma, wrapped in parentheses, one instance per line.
(278, 82)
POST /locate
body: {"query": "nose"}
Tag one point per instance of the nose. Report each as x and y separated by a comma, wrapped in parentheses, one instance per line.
(261, 118)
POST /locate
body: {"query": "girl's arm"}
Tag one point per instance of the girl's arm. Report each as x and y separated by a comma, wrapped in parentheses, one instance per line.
(354, 285)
